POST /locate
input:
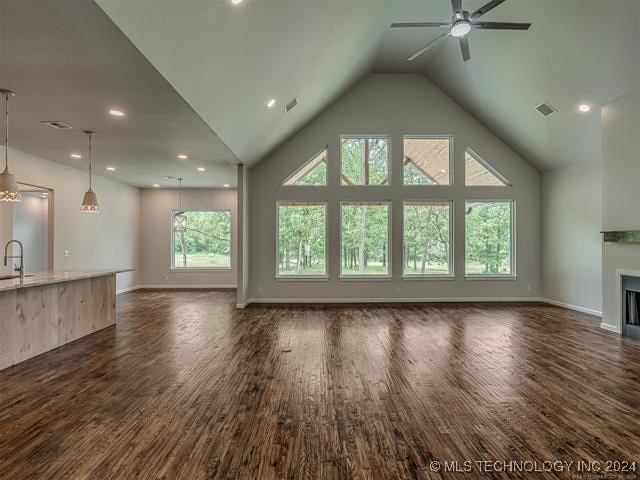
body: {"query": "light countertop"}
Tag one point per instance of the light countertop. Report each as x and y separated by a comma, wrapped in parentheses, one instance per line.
(58, 276)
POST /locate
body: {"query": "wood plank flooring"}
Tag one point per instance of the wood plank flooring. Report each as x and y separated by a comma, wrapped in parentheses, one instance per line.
(186, 387)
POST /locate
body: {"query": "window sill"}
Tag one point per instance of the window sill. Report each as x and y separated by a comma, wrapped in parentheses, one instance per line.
(201, 270)
(490, 277)
(412, 278)
(301, 278)
(366, 278)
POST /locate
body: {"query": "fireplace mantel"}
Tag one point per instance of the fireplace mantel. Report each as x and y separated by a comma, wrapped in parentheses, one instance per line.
(622, 236)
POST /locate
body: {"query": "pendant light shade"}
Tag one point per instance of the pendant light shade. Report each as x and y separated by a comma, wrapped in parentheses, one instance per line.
(90, 199)
(9, 191)
(90, 202)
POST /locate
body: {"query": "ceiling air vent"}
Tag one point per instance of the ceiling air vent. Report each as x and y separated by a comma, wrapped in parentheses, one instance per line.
(56, 124)
(291, 105)
(546, 109)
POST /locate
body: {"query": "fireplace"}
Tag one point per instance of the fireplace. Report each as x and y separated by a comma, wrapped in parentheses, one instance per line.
(631, 307)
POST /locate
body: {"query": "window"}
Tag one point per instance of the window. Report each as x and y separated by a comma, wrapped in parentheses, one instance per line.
(478, 173)
(302, 239)
(364, 239)
(313, 173)
(427, 238)
(201, 239)
(427, 160)
(365, 160)
(489, 238)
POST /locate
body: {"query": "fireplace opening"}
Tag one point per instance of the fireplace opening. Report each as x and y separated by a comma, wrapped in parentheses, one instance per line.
(631, 310)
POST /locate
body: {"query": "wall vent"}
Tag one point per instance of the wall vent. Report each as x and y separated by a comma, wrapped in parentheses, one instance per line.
(56, 124)
(291, 105)
(546, 109)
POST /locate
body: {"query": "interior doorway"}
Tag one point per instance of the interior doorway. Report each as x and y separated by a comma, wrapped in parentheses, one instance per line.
(32, 225)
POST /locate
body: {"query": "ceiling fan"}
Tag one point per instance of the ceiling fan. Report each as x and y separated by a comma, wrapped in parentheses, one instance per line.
(461, 24)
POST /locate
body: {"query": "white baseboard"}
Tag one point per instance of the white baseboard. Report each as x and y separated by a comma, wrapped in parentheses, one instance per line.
(609, 327)
(391, 300)
(176, 287)
(572, 307)
(173, 287)
(242, 305)
(128, 289)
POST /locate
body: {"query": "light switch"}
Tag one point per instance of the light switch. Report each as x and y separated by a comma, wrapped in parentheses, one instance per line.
(66, 253)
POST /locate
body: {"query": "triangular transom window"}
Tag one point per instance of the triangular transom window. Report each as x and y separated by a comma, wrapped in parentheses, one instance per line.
(314, 172)
(478, 173)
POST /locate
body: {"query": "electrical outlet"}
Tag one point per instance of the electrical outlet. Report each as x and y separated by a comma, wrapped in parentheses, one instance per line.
(397, 288)
(166, 277)
(259, 289)
(67, 253)
(529, 288)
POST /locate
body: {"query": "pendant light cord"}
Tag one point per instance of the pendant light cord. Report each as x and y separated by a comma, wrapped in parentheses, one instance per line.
(6, 133)
(90, 153)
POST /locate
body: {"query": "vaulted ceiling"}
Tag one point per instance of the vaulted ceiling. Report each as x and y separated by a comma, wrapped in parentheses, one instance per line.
(228, 60)
(67, 61)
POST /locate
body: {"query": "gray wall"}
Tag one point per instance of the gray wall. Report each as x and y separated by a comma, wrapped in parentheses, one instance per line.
(156, 233)
(620, 195)
(393, 104)
(107, 240)
(571, 239)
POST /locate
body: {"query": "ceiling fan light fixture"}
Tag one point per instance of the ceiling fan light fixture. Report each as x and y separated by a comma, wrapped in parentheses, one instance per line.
(460, 29)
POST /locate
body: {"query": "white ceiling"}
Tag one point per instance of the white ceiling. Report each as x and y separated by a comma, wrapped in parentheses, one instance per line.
(67, 61)
(227, 61)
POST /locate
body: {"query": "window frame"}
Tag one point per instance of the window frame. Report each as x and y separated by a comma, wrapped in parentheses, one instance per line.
(294, 278)
(173, 268)
(488, 276)
(452, 178)
(478, 158)
(297, 170)
(379, 278)
(389, 158)
(432, 276)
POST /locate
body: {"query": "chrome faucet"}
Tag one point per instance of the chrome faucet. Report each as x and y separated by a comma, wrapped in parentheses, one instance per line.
(21, 257)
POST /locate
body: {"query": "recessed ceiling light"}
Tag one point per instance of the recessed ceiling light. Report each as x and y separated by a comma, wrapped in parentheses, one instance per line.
(226, 185)
(236, 2)
(111, 169)
(182, 156)
(76, 155)
(271, 103)
(584, 108)
(117, 113)
(155, 185)
(201, 169)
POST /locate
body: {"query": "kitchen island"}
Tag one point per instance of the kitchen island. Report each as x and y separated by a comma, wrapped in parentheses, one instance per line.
(46, 310)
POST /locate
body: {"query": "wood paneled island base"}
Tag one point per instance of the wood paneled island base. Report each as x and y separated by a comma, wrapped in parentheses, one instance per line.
(40, 317)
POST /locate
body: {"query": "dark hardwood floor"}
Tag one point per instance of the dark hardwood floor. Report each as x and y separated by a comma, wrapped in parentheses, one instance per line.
(187, 387)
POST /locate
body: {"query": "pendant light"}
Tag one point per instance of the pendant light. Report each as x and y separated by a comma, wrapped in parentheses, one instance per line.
(90, 200)
(9, 191)
(179, 218)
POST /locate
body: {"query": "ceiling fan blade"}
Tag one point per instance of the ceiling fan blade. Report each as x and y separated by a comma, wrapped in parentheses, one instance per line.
(485, 8)
(420, 24)
(464, 47)
(456, 5)
(428, 46)
(500, 26)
